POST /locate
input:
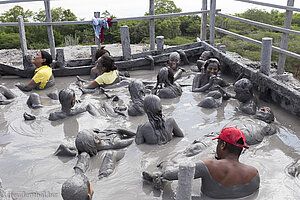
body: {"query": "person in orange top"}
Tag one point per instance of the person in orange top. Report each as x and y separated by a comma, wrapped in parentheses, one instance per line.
(43, 77)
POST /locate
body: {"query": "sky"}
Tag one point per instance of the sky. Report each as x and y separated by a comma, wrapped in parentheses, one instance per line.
(134, 8)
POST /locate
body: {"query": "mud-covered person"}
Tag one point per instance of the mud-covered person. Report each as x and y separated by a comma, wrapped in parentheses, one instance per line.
(67, 99)
(174, 62)
(43, 77)
(157, 130)
(166, 87)
(100, 52)
(225, 176)
(109, 73)
(209, 78)
(200, 62)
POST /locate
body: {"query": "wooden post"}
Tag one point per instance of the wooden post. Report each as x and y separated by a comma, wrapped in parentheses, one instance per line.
(160, 44)
(22, 35)
(285, 37)
(185, 181)
(212, 18)
(203, 21)
(60, 58)
(97, 40)
(125, 40)
(152, 26)
(93, 53)
(223, 48)
(266, 52)
(50, 28)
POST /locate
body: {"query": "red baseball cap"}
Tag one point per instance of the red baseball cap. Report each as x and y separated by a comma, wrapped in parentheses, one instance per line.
(232, 135)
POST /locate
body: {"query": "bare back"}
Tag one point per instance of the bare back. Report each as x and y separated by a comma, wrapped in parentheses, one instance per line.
(229, 173)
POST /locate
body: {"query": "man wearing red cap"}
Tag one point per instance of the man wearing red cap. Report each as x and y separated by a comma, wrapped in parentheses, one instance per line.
(225, 176)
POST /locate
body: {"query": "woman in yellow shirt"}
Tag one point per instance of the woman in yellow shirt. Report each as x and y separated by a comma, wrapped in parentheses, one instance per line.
(109, 76)
(43, 77)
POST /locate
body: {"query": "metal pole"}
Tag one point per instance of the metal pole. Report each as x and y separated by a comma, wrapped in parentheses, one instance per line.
(285, 37)
(266, 52)
(22, 35)
(203, 21)
(212, 18)
(152, 26)
(97, 40)
(50, 28)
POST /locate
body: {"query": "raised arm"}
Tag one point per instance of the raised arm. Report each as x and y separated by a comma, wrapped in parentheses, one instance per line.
(178, 74)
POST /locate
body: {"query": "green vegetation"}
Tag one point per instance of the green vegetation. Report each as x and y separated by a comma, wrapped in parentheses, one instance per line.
(176, 30)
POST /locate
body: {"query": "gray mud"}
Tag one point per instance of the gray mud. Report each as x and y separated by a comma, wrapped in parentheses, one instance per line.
(27, 163)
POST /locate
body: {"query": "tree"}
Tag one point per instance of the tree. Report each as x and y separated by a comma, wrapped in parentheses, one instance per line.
(12, 14)
(57, 14)
(165, 7)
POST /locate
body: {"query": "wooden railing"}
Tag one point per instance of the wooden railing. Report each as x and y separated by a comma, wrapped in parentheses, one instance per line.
(212, 14)
(285, 31)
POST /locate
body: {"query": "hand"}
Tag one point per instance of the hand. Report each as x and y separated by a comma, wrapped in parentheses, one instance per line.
(212, 79)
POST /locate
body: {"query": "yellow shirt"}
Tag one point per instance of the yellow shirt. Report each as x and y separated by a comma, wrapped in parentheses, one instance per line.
(42, 75)
(107, 78)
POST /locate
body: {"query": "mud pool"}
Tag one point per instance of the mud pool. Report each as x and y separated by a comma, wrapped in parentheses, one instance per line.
(27, 163)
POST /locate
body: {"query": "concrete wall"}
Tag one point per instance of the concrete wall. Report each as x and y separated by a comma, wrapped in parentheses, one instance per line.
(279, 91)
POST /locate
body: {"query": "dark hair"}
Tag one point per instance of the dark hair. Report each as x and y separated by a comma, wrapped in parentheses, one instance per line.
(234, 149)
(107, 62)
(47, 56)
(100, 52)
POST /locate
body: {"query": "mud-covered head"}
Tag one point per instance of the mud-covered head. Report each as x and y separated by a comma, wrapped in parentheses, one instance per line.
(153, 109)
(211, 66)
(102, 51)
(87, 141)
(265, 114)
(77, 187)
(243, 89)
(174, 60)
(152, 105)
(136, 89)
(206, 55)
(67, 99)
(165, 76)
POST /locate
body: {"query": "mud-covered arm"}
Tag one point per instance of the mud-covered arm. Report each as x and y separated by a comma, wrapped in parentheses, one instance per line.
(178, 74)
(196, 87)
(57, 115)
(28, 87)
(108, 164)
(139, 138)
(176, 130)
(126, 133)
(225, 94)
(82, 162)
(223, 83)
(77, 111)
